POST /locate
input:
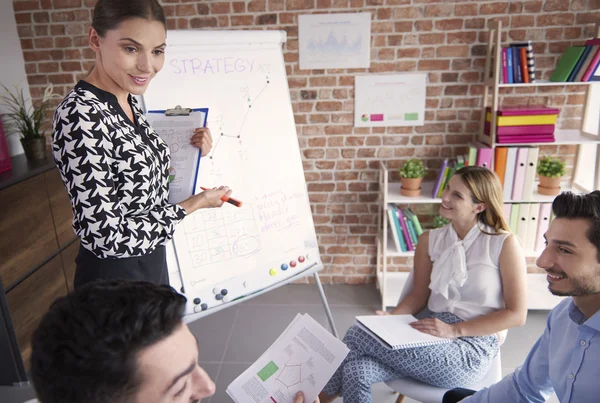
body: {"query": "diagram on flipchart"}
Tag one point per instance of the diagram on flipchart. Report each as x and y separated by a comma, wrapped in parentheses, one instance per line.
(220, 254)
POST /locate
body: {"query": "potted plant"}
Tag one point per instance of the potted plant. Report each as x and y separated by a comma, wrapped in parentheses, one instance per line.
(411, 176)
(439, 221)
(550, 171)
(27, 120)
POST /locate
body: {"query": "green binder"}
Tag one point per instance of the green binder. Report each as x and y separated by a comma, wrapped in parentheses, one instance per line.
(567, 62)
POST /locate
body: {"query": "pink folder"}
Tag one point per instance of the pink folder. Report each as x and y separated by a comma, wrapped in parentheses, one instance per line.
(484, 156)
(519, 110)
(543, 223)
(525, 139)
(521, 165)
(516, 130)
(404, 230)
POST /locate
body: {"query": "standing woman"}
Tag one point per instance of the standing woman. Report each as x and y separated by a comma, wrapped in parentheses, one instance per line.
(471, 274)
(113, 164)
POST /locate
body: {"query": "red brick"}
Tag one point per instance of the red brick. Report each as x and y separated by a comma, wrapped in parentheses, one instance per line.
(203, 22)
(394, 40)
(266, 19)
(408, 12)
(23, 18)
(518, 21)
(43, 43)
(465, 9)
(61, 78)
(28, 5)
(407, 65)
(467, 37)
(425, 65)
(533, 6)
(384, 13)
(408, 53)
(556, 5)
(237, 20)
(327, 81)
(220, 8)
(41, 17)
(70, 66)
(299, 4)
(431, 39)
(564, 19)
(382, 67)
(449, 24)
(588, 18)
(66, 3)
(439, 10)
(401, 26)
(424, 25)
(26, 44)
(493, 8)
(329, 106)
(57, 29)
(34, 79)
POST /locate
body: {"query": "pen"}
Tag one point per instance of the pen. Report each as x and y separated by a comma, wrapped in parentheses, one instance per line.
(228, 199)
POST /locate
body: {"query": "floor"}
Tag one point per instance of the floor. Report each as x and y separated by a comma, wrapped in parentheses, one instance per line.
(230, 340)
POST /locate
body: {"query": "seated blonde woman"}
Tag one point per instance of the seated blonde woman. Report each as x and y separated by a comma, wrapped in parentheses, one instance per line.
(471, 274)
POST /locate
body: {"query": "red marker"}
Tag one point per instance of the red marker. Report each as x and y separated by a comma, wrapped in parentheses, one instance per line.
(228, 199)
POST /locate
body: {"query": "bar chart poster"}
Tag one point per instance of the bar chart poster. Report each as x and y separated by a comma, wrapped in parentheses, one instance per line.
(383, 100)
(334, 41)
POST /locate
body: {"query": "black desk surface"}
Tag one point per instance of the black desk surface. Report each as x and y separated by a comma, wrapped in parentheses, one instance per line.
(22, 169)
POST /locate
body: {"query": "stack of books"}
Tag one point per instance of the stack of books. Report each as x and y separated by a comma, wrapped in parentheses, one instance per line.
(518, 65)
(579, 63)
(479, 154)
(405, 228)
(523, 124)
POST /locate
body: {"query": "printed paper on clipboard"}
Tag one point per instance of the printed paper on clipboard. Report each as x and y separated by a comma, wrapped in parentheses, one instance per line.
(176, 131)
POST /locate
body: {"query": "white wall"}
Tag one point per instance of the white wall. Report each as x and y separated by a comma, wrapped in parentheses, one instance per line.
(12, 68)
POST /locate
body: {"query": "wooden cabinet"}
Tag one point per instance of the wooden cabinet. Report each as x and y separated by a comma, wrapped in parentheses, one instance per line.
(30, 300)
(37, 250)
(28, 236)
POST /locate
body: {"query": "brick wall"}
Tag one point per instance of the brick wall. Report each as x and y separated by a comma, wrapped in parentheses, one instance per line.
(446, 39)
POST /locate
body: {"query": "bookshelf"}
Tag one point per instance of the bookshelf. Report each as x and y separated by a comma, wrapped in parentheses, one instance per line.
(587, 135)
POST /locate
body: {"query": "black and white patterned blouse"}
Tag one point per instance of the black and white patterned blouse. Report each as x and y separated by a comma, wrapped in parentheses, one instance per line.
(116, 174)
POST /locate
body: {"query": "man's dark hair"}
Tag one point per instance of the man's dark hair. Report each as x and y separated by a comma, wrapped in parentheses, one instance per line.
(586, 206)
(86, 345)
(108, 14)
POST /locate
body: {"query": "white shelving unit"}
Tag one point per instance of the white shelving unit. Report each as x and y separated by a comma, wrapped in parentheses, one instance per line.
(390, 284)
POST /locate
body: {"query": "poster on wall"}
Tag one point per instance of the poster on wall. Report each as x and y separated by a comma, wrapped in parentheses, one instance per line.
(390, 100)
(334, 41)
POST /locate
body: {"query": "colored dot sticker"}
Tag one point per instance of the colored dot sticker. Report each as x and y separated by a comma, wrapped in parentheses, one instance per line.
(284, 266)
(301, 259)
(219, 297)
(224, 292)
(273, 272)
(293, 263)
(197, 301)
(204, 307)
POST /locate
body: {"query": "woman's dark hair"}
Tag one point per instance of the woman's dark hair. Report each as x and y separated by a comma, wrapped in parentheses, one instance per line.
(108, 14)
(586, 206)
(85, 348)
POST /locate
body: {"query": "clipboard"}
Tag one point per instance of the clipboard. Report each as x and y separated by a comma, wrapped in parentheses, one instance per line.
(175, 127)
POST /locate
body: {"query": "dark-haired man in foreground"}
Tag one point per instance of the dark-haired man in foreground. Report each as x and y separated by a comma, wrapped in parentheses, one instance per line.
(566, 358)
(118, 342)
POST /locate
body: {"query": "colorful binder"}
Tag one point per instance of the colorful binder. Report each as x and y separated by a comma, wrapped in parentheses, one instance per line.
(532, 224)
(484, 156)
(526, 129)
(523, 120)
(520, 110)
(500, 163)
(517, 189)
(411, 214)
(543, 223)
(394, 230)
(398, 228)
(509, 175)
(513, 223)
(523, 223)
(530, 171)
(525, 139)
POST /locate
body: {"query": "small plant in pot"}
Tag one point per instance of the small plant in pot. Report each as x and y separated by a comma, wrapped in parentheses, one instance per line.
(550, 170)
(27, 119)
(411, 176)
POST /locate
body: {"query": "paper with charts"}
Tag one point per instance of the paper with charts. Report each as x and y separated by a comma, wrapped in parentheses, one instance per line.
(383, 100)
(303, 358)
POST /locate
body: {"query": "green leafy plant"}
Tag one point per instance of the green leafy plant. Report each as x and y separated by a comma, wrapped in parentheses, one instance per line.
(22, 117)
(550, 167)
(413, 168)
(439, 221)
